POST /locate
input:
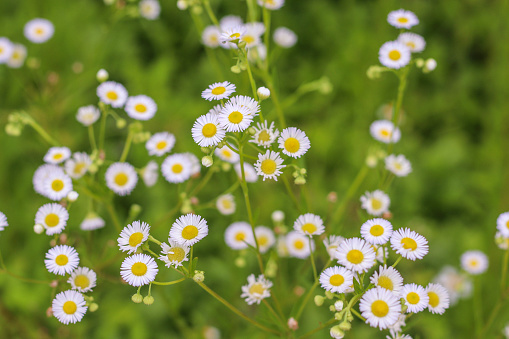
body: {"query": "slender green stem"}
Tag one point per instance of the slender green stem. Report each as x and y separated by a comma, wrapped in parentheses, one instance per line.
(208, 9)
(42, 132)
(151, 252)
(290, 192)
(308, 294)
(505, 262)
(311, 256)
(358, 315)
(102, 128)
(277, 104)
(319, 328)
(397, 107)
(154, 240)
(4, 268)
(166, 283)
(113, 215)
(397, 261)
(203, 182)
(191, 262)
(127, 146)
(266, 22)
(91, 136)
(278, 318)
(477, 307)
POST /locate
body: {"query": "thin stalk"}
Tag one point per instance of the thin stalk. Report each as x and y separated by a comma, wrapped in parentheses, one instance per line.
(505, 262)
(4, 268)
(91, 136)
(210, 13)
(127, 146)
(266, 38)
(397, 107)
(290, 192)
(315, 275)
(277, 104)
(477, 307)
(278, 318)
(113, 215)
(308, 295)
(166, 283)
(358, 315)
(191, 273)
(102, 128)
(397, 261)
(321, 327)
(42, 132)
(203, 182)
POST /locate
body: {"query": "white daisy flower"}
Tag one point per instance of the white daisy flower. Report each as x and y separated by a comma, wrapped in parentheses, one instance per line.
(57, 185)
(381, 253)
(336, 279)
(53, 217)
(356, 255)
(230, 21)
(414, 42)
(150, 173)
(121, 178)
(3, 221)
(87, 115)
(249, 172)
(415, 297)
(309, 224)
(57, 155)
(226, 154)
(83, 279)
(92, 222)
(216, 109)
(394, 54)
(402, 19)
(251, 104)
(176, 168)
(398, 165)
(271, 4)
(269, 165)
(210, 36)
(238, 235)
(160, 143)
(383, 130)
(294, 142)
(6, 50)
(331, 243)
(375, 203)
(140, 107)
(232, 34)
(253, 32)
(235, 118)
(430, 65)
(69, 307)
(78, 165)
(411, 245)
(438, 298)
(380, 307)
(112, 93)
(264, 136)
(41, 174)
(138, 270)
(459, 285)
(206, 131)
(503, 224)
(61, 259)
(18, 56)
(133, 236)
(265, 238)
(376, 231)
(298, 245)
(285, 37)
(189, 229)
(149, 9)
(388, 278)
(474, 262)
(195, 163)
(173, 254)
(256, 289)
(226, 204)
(218, 91)
(38, 30)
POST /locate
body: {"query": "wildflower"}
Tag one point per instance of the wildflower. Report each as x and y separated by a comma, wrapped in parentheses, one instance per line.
(380, 307)
(195, 163)
(189, 229)
(253, 32)
(150, 173)
(269, 165)
(61, 259)
(376, 231)
(69, 307)
(77, 166)
(138, 270)
(394, 54)
(57, 185)
(416, 298)
(474, 262)
(235, 118)
(160, 143)
(249, 172)
(271, 4)
(121, 178)
(57, 155)
(309, 224)
(438, 298)
(218, 91)
(264, 136)
(226, 154)
(356, 255)
(210, 36)
(331, 243)
(232, 34)
(83, 279)
(140, 107)
(87, 115)
(6, 49)
(265, 238)
(376, 202)
(503, 224)
(133, 235)
(206, 130)
(53, 217)
(336, 279)
(252, 106)
(226, 204)
(38, 30)
(102, 75)
(40, 176)
(277, 216)
(256, 289)
(149, 9)
(112, 93)
(402, 19)
(263, 93)
(176, 168)
(285, 37)
(458, 285)
(18, 56)
(298, 245)
(173, 254)
(388, 278)
(3, 221)
(409, 244)
(430, 65)
(294, 142)
(398, 165)
(92, 222)
(238, 235)
(384, 131)
(414, 42)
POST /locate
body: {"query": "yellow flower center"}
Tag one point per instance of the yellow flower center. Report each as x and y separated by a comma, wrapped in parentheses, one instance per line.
(112, 95)
(336, 280)
(161, 145)
(240, 236)
(52, 220)
(292, 145)
(79, 167)
(376, 204)
(298, 244)
(379, 308)
(262, 240)
(376, 230)
(385, 133)
(398, 166)
(235, 35)
(355, 257)
(227, 204)
(268, 166)
(57, 185)
(121, 179)
(257, 288)
(69, 307)
(409, 244)
(411, 45)
(263, 136)
(394, 55)
(61, 260)
(58, 156)
(402, 20)
(176, 254)
(140, 108)
(507, 224)
(385, 282)
(248, 39)
(433, 299)
(218, 90)
(39, 31)
(139, 269)
(413, 298)
(227, 153)
(177, 168)
(474, 263)
(209, 130)
(189, 232)
(309, 228)
(235, 117)
(135, 239)
(81, 281)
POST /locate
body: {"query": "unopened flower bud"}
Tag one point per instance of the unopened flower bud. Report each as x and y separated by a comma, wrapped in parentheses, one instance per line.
(240, 262)
(374, 72)
(14, 130)
(329, 295)
(430, 65)
(235, 69)
(182, 5)
(102, 75)
(332, 197)
(72, 196)
(371, 161)
(207, 161)
(226, 166)
(63, 238)
(293, 324)
(278, 216)
(300, 181)
(38, 228)
(93, 307)
(319, 300)
(332, 309)
(49, 312)
(137, 298)
(121, 123)
(338, 305)
(263, 93)
(199, 276)
(53, 283)
(205, 150)
(251, 131)
(419, 62)
(345, 326)
(197, 10)
(148, 300)
(338, 315)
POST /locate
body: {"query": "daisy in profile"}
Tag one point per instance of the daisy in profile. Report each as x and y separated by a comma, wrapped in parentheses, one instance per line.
(376, 231)
(309, 224)
(438, 298)
(285, 37)
(176, 168)
(133, 235)
(57, 155)
(265, 238)
(87, 115)
(238, 235)
(53, 217)
(226, 204)
(383, 130)
(150, 173)
(195, 163)
(298, 245)
(61, 259)
(121, 178)
(474, 262)
(69, 307)
(78, 165)
(269, 165)
(112, 93)
(3, 221)
(249, 172)
(331, 243)
(235, 118)
(256, 289)
(226, 154)
(271, 4)
(503, 224)
(414, 42)
(92, 222)
(173, 254)
(140, 107)
(138, 270)
(149, 9)
(232, 35)
(394, 54)
(83, 279)
(160, 143)
(380, 307)
(375, 203)
(41, 174)
(57, 185)
(189, 229)
(6, 49)
(388, 278)
(38, 30)
(398, 165)
(218, 91)
(356, 255)
(18, 56)
(294, 142)
(409, 244)
(210, 36)
(416, 298)
(264, 136)
(253, 107)
(206, 130)
(402, 19)
(336, 279)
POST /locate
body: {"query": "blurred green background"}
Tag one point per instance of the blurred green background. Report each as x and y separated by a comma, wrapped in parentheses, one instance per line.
(455, 133)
